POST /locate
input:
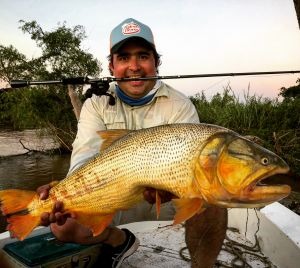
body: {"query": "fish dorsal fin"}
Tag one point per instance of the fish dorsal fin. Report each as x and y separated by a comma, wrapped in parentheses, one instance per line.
(110, 136)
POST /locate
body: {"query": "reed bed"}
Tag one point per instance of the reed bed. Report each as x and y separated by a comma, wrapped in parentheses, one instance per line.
(275, 123)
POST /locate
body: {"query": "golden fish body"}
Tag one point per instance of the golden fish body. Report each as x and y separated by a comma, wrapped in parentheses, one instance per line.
(163, 158)
(198, 163)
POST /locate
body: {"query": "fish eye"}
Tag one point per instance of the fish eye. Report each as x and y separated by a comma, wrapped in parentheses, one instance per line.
(264, 161)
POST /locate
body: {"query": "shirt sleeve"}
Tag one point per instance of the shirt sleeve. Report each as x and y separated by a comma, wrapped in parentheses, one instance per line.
(87, 142)
(186, 113)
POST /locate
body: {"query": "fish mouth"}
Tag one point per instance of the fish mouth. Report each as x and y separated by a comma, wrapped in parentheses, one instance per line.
(258, 194)
(263, 195)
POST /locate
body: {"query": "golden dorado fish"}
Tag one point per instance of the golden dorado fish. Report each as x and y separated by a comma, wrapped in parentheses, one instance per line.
(199, 163)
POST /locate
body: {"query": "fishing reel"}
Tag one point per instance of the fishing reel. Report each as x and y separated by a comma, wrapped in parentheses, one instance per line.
(98, 87)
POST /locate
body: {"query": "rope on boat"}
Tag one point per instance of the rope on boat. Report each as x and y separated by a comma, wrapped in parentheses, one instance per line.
(238, 250)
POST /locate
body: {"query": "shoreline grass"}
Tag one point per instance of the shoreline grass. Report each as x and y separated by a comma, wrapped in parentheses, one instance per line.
(276, 123)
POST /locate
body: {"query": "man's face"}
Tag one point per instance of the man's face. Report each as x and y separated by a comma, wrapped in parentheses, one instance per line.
(134, 60)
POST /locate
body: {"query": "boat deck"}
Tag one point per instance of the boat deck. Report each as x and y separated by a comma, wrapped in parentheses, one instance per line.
(165, 244)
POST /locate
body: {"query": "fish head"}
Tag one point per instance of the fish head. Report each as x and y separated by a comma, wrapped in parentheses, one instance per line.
(230, 169)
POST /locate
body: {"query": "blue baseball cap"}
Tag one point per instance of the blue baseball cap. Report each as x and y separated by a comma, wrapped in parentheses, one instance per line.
(130, 28)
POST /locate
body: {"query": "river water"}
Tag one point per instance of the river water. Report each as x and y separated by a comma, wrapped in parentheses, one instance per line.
(21, 168)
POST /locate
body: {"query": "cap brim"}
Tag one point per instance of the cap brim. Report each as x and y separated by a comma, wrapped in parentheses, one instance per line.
(117, 46)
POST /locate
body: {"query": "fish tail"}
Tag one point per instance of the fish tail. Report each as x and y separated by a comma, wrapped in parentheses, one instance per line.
(14, 205)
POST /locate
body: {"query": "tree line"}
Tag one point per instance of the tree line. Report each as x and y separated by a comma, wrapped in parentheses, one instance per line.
(46, 107)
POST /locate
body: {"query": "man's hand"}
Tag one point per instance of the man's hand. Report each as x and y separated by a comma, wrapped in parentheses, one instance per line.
(150, 195)
(63, 225)
(57, 214)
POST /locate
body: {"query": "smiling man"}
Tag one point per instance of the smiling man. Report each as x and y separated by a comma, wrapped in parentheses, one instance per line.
(138, 104)
(134, 59)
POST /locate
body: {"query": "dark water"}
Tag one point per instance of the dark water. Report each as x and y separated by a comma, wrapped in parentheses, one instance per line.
(31, 171)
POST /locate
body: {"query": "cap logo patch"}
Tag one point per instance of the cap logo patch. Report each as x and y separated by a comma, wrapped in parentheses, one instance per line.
(130, 28)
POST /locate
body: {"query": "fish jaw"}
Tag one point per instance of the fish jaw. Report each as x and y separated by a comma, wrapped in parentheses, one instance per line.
(231, 168)
(256, 195)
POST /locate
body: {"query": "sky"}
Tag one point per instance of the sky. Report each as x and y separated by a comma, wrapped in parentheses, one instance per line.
(193, 37)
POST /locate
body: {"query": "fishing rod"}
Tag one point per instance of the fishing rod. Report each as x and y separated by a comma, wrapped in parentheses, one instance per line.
(87, 80)
(100, 86)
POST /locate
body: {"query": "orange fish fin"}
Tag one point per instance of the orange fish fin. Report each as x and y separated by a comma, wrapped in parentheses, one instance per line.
(186, 208)
(14, 204)
(20, 226)
(110, 136)
(14, 200)
(158, 203)
(97, 223)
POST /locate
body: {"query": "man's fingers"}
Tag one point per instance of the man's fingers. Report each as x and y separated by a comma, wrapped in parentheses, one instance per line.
(166, 196)
(43, 191)
(43, 195)
(55, 215)
(52, 217)
(149, 195)
(61, 218)
(58, 206)
(45, 219)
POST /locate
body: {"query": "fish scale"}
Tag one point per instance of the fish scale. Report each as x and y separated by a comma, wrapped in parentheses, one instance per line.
(150, 157)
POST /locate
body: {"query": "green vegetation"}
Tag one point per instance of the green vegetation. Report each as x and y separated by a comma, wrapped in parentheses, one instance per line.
(45, 107)
(275, 123)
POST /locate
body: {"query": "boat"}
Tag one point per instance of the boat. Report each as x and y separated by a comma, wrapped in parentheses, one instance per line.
(269, 237)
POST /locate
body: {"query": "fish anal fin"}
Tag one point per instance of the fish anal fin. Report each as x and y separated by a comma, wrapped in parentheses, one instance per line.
(158, 204)
(187, 208)
(20, 226)
(110, 136)
(97, 223)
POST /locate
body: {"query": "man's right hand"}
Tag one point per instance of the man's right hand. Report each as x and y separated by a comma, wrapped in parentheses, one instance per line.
(57, 214)
(64, 225)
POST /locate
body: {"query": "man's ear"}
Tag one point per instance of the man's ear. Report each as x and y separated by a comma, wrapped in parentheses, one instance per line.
(111, 68)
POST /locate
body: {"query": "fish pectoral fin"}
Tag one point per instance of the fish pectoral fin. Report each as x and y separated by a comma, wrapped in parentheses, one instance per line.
(158, 203)
(110, 136)
(97, 223)
(14, 205)
(187, 208)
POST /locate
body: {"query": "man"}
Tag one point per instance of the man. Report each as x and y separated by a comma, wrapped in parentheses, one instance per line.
(138, 104)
